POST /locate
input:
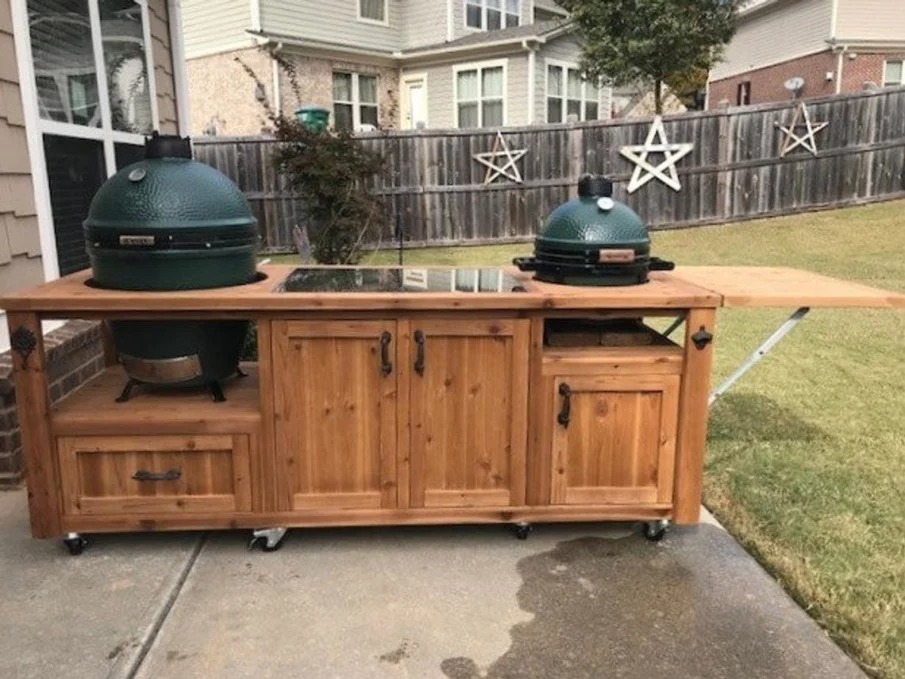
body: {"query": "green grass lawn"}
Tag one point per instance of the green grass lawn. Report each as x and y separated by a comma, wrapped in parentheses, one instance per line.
(806, 455)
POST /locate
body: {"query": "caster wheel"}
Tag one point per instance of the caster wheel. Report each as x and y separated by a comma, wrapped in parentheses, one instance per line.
(522, 530)
(268, 539)
(75, 545)
(655, 530)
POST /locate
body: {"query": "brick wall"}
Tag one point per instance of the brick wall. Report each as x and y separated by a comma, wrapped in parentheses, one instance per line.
(75, 355)
(233, 109)
(767, 83)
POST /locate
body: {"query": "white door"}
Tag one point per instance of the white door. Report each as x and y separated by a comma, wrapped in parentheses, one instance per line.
(415, 97)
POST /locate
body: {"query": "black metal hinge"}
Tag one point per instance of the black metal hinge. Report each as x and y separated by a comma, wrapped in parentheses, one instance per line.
(23, 341)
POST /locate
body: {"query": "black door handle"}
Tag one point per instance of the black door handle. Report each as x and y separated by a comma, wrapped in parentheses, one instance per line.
(386, 366)
(565, 412)
(144, 475)
(419, 355)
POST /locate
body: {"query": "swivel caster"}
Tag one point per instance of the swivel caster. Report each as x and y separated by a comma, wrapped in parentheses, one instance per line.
(655, 530)
(268, 539)
(522, 530)
(75, 543)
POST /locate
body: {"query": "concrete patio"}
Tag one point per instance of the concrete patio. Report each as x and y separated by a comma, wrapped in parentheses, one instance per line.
(459, 602)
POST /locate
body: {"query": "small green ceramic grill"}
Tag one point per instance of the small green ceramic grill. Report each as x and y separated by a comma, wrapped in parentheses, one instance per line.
(593, 240)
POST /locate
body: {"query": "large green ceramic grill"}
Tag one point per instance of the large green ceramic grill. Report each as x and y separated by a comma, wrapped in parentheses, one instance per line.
(593, 240)
(171, 223)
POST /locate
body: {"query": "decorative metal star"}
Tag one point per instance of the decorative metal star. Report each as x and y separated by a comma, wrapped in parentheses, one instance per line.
(666, 170)
(495, 169)
(807, 140)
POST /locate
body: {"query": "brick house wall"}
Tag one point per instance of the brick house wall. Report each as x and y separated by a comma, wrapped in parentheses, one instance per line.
(767, 82)
(74, 355)
(233, 110)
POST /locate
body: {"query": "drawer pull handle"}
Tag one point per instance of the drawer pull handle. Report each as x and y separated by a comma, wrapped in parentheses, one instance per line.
(386, 366)
(565, 412)
(419, 356)
(144, 475)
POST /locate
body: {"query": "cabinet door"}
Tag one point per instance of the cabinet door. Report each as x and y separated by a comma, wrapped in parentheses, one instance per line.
(335, 410)
(614, 439)
(468, 410)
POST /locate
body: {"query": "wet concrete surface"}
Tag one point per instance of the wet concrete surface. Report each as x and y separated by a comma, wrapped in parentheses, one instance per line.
(463, 602)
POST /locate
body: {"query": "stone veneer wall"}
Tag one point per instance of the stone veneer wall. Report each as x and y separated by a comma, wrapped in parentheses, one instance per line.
(74, 355)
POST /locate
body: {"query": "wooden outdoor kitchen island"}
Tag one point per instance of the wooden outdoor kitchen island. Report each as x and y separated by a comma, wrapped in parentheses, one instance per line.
(393, 408)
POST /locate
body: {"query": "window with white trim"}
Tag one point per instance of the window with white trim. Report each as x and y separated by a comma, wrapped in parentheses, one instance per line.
(568, 94)
(94, 96)
(492, 15)
(373, 10)
(893, 73)
(479, 96)
(354, 101)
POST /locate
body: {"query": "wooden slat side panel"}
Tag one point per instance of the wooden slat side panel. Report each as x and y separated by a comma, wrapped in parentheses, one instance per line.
(360, 500)
(466, 498)
(610, 495)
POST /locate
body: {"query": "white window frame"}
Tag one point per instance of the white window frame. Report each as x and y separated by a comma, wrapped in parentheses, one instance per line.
(479, 66)
(356, 102)
(483, 4)
(368, 20)
(36, 126)
(566, 67)
(894, 61)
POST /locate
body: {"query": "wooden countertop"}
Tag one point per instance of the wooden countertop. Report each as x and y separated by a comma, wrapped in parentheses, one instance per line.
(760, 286)
(69, 296)
(684, 288)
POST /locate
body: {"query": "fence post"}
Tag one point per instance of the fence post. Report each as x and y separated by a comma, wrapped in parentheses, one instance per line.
(724, 162)
(576, 151)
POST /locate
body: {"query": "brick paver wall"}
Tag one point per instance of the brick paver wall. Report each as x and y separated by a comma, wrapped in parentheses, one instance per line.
(75, 355)
(767, 83)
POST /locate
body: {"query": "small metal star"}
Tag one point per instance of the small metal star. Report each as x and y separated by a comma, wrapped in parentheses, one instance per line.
(495, 169)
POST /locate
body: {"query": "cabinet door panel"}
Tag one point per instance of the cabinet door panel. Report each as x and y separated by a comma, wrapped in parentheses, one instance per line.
(335, 410)
(468, 409)
(618, 445)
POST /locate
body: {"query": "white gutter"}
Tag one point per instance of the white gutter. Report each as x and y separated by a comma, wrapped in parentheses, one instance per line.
(834, 17)
(840, 54)
(177, 55)
(532, 77)
(255, 8)
(275, 73)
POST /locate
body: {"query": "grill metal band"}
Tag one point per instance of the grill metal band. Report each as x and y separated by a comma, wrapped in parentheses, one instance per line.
(162, 370)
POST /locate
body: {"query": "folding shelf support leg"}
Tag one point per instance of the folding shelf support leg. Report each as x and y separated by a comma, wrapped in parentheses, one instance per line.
(759, 353)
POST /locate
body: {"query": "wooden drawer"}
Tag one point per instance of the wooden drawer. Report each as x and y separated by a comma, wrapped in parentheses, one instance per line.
(154, 474)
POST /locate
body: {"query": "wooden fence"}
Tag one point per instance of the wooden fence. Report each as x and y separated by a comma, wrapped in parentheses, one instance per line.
(433, 185)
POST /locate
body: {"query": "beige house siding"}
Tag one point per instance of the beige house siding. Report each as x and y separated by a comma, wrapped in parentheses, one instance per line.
(163, 67)
(211, 26)
(567, 51)
(20, 244)
(424, 23)
(460, 30)
(333, 23)
(777, 33)
(871, 20)
(441, 100)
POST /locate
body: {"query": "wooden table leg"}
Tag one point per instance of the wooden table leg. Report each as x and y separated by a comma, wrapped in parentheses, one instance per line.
(33, 407)
(692, 435)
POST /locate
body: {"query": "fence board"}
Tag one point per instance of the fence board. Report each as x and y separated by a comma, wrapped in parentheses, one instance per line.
(435, 189)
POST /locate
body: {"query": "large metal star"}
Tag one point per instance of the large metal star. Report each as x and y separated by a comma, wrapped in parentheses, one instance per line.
(495, 169)
(792, 140)
(665, 171)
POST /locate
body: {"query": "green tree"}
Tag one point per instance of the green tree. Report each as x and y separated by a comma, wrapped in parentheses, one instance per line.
(651, 41)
